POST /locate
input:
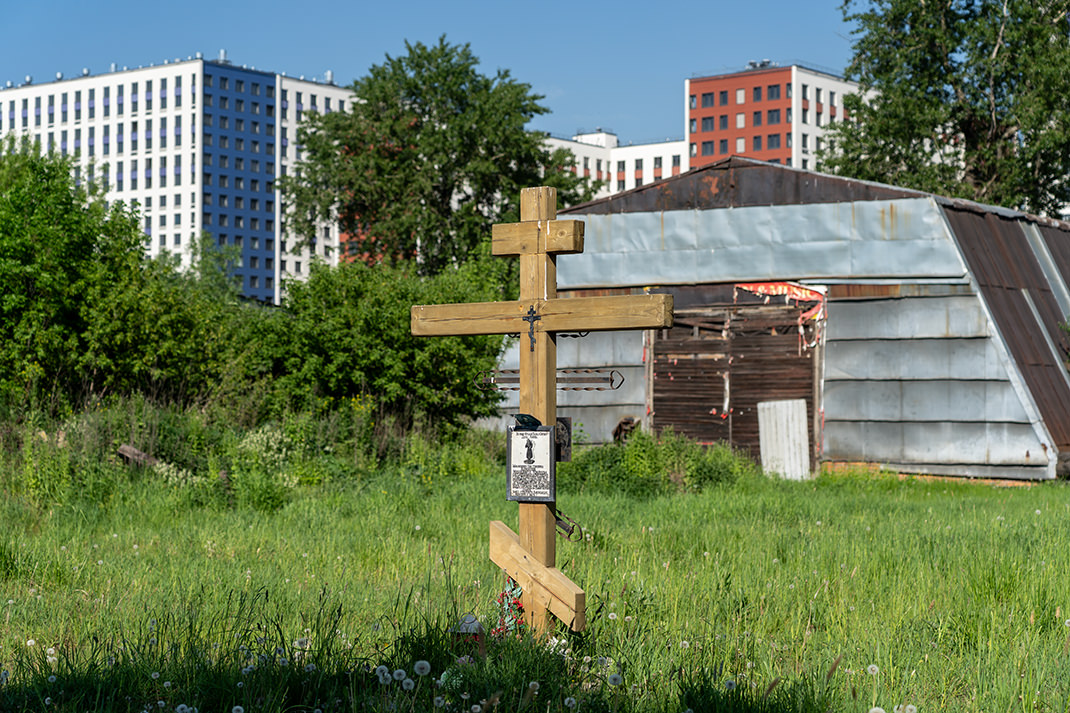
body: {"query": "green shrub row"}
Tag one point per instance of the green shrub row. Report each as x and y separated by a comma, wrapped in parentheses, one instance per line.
(647, 465)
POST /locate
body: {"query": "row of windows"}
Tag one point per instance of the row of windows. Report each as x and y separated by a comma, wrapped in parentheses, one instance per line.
(758, 142)
(46, 108)
(720, 98)
(772, 117)
(239, 164)
(239, 86)
(223, 201)
(771, 93)
(223, 220)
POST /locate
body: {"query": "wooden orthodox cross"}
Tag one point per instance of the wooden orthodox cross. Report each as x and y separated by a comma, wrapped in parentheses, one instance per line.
(538, 315)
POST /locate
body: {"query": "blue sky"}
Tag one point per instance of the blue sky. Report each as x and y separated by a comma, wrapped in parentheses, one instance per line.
(618, 65)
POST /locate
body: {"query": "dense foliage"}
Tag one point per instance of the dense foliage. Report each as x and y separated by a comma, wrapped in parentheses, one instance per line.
(965, 98)
(430, 155)
(86, 316)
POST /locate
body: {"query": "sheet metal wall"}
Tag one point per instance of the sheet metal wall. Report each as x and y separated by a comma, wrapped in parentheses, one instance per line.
(920, 384)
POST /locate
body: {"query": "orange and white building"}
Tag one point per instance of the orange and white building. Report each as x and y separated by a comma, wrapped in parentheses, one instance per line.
(599, 156)
(767, 112)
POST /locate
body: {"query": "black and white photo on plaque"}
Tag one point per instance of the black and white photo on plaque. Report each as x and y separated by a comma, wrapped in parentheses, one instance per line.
(530, 465)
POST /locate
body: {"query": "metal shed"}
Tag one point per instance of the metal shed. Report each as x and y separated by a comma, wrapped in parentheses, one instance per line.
(924, 332)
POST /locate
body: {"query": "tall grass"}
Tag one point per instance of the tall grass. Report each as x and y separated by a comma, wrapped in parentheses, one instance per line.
(737, 593)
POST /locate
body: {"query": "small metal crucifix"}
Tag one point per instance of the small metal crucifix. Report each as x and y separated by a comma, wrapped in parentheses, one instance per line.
(530, 557)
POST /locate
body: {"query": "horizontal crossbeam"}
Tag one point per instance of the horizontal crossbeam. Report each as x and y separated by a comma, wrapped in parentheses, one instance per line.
(547, 586)
(573, 314)
(541, 236)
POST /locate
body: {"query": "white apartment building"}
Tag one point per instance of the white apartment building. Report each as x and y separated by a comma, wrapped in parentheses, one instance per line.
(196, 143)
(600, 157)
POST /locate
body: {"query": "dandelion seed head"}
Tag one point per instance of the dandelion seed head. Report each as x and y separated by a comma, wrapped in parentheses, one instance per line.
(872, 669)
(52, 678)
(381, 670)
(399, 674)
(31, 642)
(570, 702)
(439, 701)
(612, 615)
(181, 708)
(421, 668)
(730, 685)
(533, 686)
(237, 709)
(876, 709)
(48, 701)
(614, 679)
(155, 675)
(50, 651)
(310, 667)
(408, 684)
(911, 708)
(685, 644)
(241, 684)
(476, 708)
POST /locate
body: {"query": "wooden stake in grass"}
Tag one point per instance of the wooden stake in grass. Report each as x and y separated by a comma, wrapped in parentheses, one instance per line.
(538, 316)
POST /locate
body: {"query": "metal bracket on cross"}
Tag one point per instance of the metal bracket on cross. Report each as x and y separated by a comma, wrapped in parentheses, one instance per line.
(541, 316)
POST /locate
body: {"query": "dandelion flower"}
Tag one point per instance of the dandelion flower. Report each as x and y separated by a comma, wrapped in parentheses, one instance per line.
(155, 675)
(570, 702)
(50, 651)
(439, 701)
(381, 670)
(614, 679)
(730, 685)
(408, 684)
(421, 668)
(399, 675)
(31, 642)
(52, 678)
(613, 615)
(237, 709)
(685, 644)
(533, 686)
(872, 669)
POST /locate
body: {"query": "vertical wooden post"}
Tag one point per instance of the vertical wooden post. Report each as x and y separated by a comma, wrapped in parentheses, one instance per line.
(538, 366)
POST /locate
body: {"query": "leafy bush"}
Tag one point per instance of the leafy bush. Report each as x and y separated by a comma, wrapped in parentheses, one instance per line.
(647, 465)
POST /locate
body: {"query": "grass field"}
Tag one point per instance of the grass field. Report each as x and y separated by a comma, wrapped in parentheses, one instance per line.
(844, 593)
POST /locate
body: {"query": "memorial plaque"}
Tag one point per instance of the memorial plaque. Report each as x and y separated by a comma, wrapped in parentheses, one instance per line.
(530, 465)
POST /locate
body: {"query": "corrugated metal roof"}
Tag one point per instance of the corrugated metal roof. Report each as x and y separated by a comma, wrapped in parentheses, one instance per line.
(1023, 306)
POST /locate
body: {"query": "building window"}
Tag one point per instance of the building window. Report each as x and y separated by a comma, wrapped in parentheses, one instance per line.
(806, 92)
(707, 99)
(708, 123)
(741, 145)
(757, 94)
(787, 90)
(832, 98)
(817, 94)
(806, 116)
(756, 118)
(620, 167)
(772, 142)
(723, 121)
(723, 147)
(756, 143)
(773, 116)
(676, 161)
(691, 102)
(741, 95)
(620, 185)
(741, 120)
(693, 126)
(707, 148)
(722, 98)
(694, 150)
(772, 92)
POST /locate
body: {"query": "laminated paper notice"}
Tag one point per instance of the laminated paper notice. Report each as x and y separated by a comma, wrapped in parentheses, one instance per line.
(530, 465)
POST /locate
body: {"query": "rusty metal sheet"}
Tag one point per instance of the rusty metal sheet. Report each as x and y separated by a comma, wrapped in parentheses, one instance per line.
(737, 182)
(1004, 266)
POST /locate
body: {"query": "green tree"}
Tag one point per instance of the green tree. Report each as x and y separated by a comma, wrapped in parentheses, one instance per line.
(58, 243)
(961, 97)
(345, 331)
(429, 155)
